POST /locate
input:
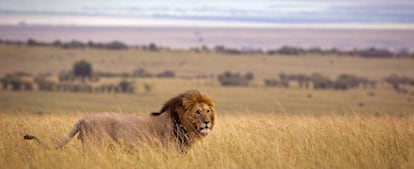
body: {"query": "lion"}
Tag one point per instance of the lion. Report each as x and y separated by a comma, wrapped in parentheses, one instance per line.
(182, 120)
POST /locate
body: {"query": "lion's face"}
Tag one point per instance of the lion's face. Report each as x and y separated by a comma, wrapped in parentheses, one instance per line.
(200, 118)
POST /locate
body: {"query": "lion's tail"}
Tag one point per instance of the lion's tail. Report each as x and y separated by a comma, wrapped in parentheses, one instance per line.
(76, 128)
(30, 137)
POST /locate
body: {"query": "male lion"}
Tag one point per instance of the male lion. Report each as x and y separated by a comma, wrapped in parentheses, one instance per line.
(182, 121)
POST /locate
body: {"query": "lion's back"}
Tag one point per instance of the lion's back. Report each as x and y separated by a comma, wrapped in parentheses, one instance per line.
(120, 127)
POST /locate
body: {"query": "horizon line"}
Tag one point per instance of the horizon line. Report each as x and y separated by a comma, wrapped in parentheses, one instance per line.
(348, 26)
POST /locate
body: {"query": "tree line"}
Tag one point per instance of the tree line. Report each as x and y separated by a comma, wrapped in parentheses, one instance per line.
(371, 52)
(77, 80)
(315, 81)
(75, 44)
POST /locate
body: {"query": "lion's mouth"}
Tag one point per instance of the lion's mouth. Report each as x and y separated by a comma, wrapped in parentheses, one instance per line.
(204, 131)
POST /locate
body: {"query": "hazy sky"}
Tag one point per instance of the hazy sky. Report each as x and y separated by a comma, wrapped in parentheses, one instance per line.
(253, 12)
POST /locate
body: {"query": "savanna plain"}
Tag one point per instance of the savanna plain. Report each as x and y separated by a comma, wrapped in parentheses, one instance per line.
(256, 126)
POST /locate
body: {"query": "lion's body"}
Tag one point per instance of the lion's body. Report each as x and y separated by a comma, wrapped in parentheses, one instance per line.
(183, 119)
(121, 128)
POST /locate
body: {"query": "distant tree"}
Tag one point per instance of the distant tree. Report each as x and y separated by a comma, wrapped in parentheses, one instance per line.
(82, 69)
(16, 83)
(276, 83)
(375, 53)
(4, 83)
(43, 84)
(219, 48)
(249, 76)
(74, 44)
(64, 76)
(152, 47)
(116, 45)
(27, 85)
(288, 50)
(235, 79)
(57, 43)
(167, 74)
(346, 81)
(321, 82)
(141, 72)
(126, 86)
(31, 42)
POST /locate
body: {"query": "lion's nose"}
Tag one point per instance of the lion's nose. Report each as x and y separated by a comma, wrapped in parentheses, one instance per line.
(206, 121)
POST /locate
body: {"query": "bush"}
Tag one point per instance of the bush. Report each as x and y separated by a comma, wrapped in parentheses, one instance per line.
(65, 76)
(346, 81)
(4, 83)
(374, 53)
(126, 86)
(303, 80)
(73, 44)
(141, 72)
(287, 50)
(235, 79)
(116, 45)
(395, 81)
(321, 82)
(16, 82)
(44, 85)
(166, 74)
(151, 47)
(276, 83)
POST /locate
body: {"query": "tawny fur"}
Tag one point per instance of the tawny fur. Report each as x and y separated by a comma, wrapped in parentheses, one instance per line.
(193, 110)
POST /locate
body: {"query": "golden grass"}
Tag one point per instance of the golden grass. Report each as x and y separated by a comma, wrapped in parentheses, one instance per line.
(238, 141)
(257, 127)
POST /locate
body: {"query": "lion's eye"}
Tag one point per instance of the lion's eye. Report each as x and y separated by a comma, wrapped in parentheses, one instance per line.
(208, 111)
(198, 112)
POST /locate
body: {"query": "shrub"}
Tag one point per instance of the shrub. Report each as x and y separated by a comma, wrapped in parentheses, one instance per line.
(16, 82)
(44, 85)
(166, 74)
(374, 52)
(4, 83)
(65, 76)
(321, 82)
(116, 45)
(73, 44)
(346, 81)
(141, 72)
(126, 86)
(276, 83)
(151, 47)
(235, 79)
(288, 50)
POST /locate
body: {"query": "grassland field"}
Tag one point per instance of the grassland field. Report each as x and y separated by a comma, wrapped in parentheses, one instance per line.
(257, 126)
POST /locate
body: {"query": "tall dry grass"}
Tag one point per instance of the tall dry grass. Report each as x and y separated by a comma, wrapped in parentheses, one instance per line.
(245, 140)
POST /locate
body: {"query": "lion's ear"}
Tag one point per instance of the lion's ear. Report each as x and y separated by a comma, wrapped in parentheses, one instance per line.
(156, 113)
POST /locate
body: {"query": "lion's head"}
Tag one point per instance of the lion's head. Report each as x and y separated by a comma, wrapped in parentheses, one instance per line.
(193, 110)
